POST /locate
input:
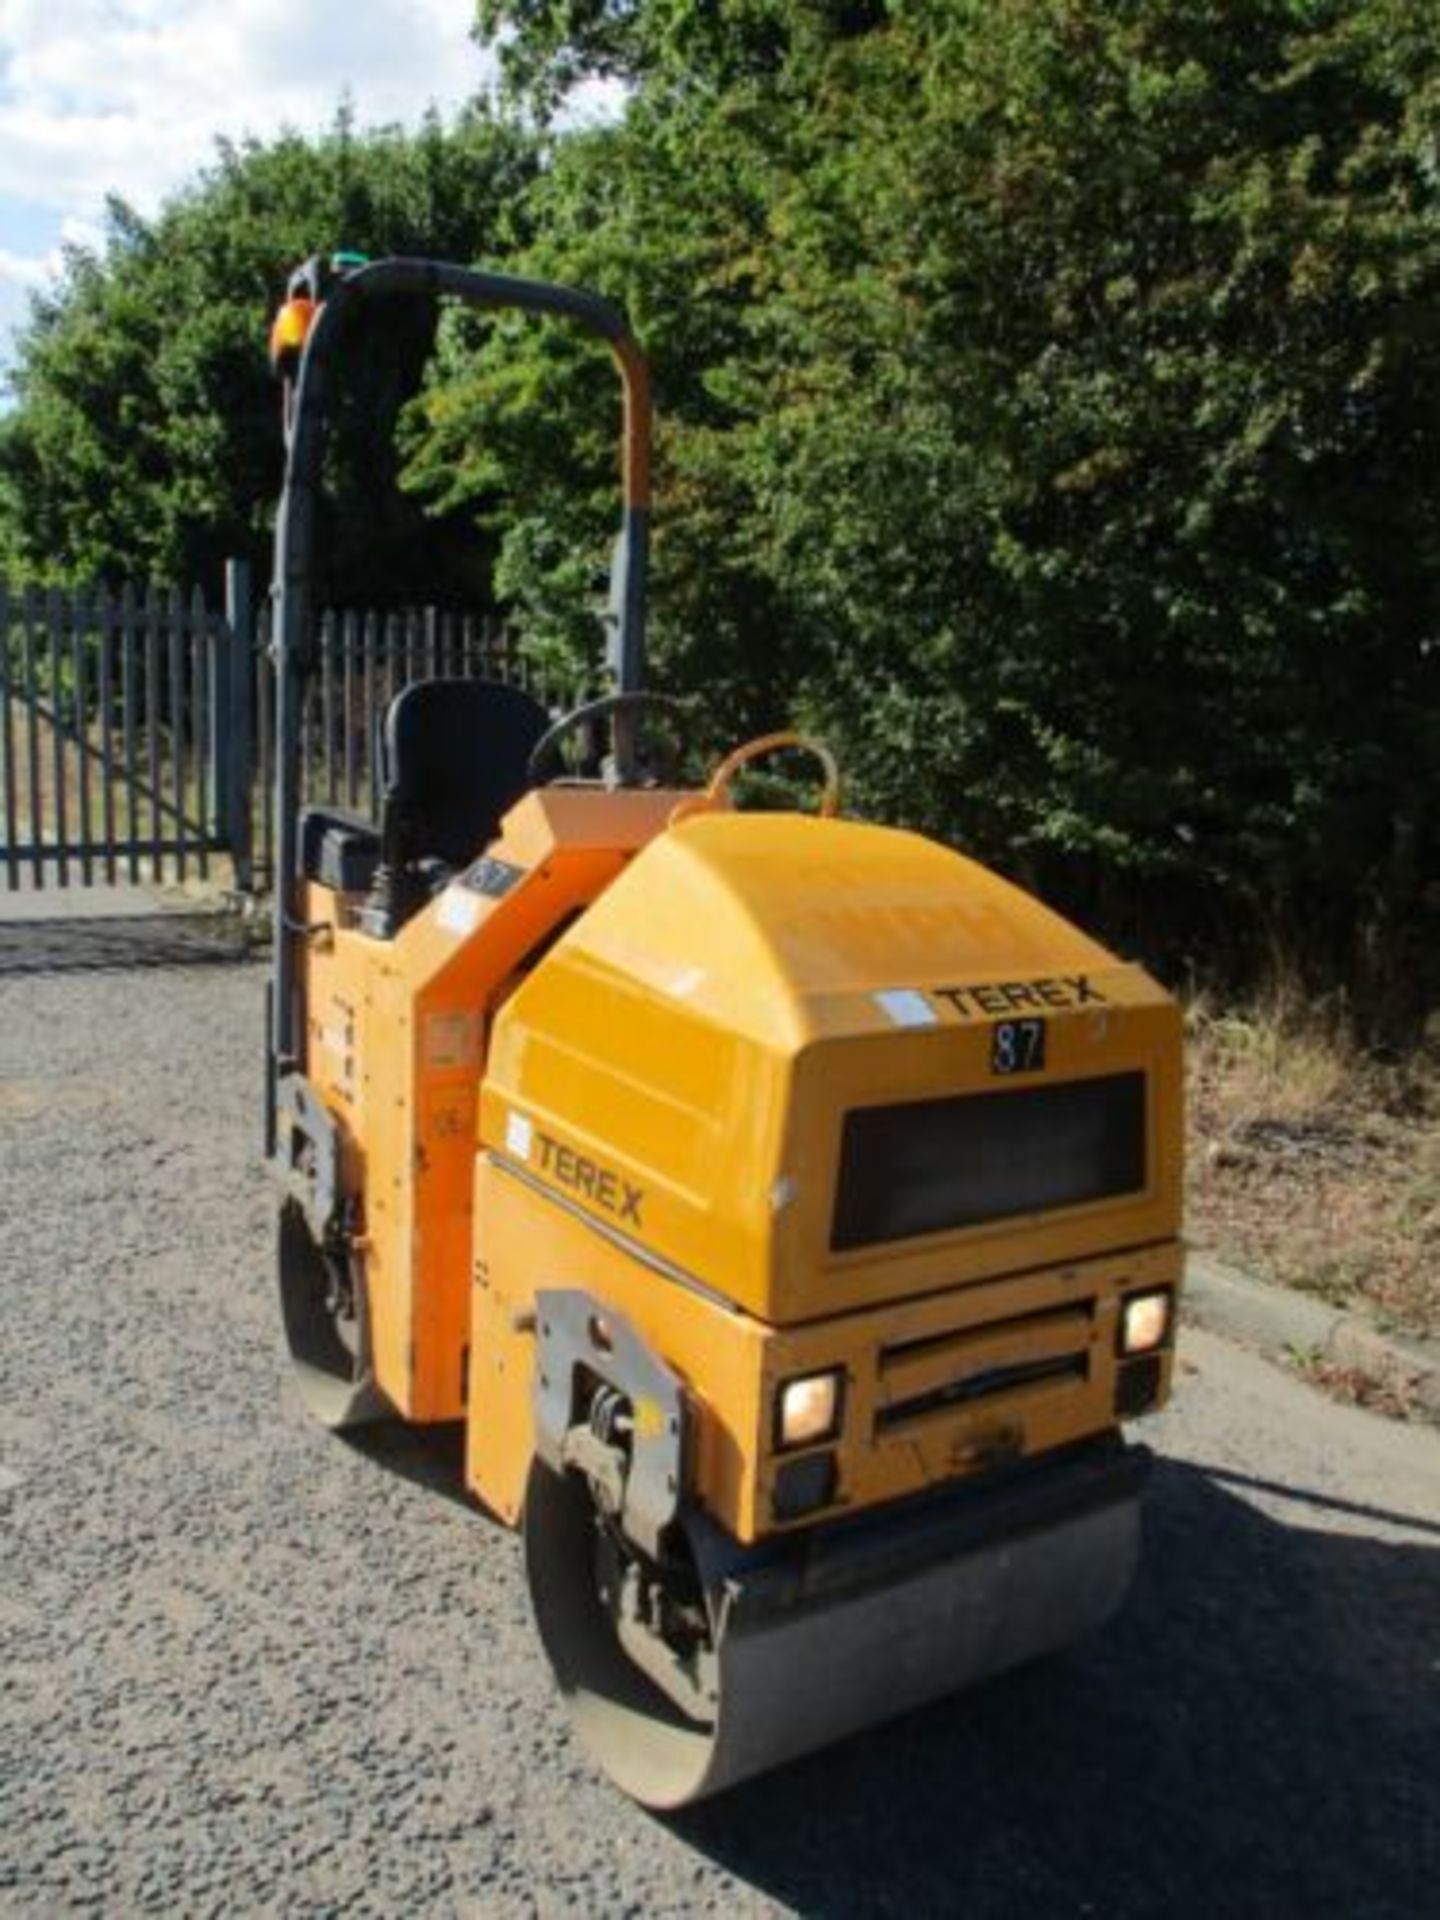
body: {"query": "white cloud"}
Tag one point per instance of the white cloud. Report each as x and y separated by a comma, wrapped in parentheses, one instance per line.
(21, 270)
(22, 274)
(129, 96)
(97, 96)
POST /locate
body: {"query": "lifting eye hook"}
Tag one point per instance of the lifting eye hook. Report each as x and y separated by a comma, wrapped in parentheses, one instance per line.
(717, 793)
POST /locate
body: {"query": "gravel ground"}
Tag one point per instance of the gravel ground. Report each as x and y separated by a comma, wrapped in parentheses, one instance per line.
(250, 1668)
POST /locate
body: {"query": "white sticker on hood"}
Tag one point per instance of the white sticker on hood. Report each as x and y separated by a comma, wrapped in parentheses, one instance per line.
(906, 1007)
(459, 910)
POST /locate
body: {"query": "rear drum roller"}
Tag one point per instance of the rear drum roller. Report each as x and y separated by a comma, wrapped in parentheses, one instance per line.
(322, 1302)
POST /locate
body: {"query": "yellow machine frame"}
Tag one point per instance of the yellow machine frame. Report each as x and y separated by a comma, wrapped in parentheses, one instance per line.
(570, 1135)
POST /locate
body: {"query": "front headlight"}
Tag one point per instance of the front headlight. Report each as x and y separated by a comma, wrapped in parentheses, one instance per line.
(1144, 1322)
(808, 1409)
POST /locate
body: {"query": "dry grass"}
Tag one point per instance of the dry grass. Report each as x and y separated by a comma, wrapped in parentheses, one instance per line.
(1392, 1395)
(1313, 1164)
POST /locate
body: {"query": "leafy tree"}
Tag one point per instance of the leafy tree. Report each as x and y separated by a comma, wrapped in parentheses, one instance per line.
(146, 436)
(1051, 418)
(547, 47)
(1049, 415)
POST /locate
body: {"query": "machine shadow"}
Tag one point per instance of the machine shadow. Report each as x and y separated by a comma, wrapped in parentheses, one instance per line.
(123, 941)
(1258, 1733)
(429, 1457)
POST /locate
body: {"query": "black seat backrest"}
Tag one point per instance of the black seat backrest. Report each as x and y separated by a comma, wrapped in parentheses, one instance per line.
(455, 759)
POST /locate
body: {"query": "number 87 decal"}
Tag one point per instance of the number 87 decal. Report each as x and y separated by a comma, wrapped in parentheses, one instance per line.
(1017, 1046)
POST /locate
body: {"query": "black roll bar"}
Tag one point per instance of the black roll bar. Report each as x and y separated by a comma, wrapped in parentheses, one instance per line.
(292, 590)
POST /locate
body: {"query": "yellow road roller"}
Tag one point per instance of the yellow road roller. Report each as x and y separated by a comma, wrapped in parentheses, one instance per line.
(787, 1206)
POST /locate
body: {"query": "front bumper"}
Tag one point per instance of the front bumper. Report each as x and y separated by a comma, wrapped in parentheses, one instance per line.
(941, 1390)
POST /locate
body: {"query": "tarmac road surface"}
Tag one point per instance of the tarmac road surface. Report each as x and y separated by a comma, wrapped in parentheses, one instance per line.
(249, 1668)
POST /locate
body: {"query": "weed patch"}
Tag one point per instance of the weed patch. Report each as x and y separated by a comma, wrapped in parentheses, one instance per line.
(1313, 1164)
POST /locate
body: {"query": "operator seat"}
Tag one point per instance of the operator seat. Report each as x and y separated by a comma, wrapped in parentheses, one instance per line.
(454, 759)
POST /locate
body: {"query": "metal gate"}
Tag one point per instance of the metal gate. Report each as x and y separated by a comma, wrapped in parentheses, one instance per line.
(122, 750)
(136, 729)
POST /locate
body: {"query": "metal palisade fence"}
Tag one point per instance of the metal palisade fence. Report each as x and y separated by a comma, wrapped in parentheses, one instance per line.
(136, 727)
(113, 723)
(361, 661)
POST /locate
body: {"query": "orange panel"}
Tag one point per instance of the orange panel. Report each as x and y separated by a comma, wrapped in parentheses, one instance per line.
(396, 1033)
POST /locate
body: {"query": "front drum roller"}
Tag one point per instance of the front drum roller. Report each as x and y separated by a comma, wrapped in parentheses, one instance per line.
(815, 1639)
(322, 1304)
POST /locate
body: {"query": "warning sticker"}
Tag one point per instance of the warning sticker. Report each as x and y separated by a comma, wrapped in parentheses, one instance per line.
(451, 1114)
(493, 878)
(452, 1039)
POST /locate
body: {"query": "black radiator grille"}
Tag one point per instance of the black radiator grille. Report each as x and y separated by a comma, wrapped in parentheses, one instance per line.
(931, 1166)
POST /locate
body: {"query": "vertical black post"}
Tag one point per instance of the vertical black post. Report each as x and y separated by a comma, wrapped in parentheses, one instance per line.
(80, 627)
(393, 641)
(130, 703)
(265, 746)
(202, 629)
(234, 760)
(30, 617)
(152, 733)
(291, 650)
(54, 620)
(349, 640)
(7, 748)
(327, 705)
(372, 709)
(176, 703)
(106, 699)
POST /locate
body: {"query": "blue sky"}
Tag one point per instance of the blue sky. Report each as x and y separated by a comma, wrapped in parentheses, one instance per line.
(128, 96)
